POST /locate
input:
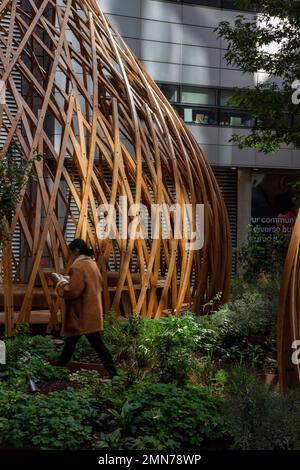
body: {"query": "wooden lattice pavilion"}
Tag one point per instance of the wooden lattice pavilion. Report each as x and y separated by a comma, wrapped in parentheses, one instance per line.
(78, 95)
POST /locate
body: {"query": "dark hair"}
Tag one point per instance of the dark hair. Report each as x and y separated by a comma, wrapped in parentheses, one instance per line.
(81, 246)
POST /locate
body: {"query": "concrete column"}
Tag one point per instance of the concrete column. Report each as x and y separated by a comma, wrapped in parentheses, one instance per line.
(244, 204)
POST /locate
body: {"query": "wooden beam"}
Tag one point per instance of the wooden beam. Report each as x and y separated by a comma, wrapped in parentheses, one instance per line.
(288, 323)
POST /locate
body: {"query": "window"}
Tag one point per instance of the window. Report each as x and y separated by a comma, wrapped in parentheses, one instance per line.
(209, 3)
(200, 96)
(206, 106)
(170, 92)
(225, 95)
(235, 118)
(200, 116)
(226, 4)
(231, 5)
(232, 114)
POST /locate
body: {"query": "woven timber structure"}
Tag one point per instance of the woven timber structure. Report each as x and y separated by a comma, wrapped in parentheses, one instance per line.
(106, 131)
(289, 315)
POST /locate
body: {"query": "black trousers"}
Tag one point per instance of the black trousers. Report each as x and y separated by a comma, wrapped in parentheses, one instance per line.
(97, 343)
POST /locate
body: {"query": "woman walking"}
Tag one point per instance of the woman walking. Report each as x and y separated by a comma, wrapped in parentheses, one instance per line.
(81, 292)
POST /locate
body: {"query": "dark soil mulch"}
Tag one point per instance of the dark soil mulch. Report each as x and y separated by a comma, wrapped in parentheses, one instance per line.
(219, 444)
(56, 386)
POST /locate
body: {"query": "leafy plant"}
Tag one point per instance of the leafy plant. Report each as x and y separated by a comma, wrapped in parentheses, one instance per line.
(163, 416)
(257, 257)
(60, 420)
(15, 171)
(257, 418)
(173, 341)
(36, 346)
(251, 314)
(206, 372)
(270, 364)
(28, 354)
(125, 339)
(255, 355)
(42, 371)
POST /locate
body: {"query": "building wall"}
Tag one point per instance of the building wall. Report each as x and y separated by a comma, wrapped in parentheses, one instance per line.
(177, 43)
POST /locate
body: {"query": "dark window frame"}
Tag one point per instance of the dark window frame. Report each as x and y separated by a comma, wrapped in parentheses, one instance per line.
(221, 4)
(218, 108)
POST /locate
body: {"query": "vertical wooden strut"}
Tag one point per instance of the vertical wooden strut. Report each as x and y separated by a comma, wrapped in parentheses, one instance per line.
(8, 291)
(288, 326)
(108, 135)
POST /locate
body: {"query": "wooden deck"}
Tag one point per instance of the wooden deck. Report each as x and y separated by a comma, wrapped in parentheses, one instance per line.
(41, 313)
(36, 317)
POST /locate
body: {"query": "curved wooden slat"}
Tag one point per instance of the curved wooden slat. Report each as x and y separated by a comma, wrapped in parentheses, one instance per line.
(288, 325)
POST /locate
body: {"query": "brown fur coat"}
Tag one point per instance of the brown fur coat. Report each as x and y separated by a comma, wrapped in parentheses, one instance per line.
(83, 311)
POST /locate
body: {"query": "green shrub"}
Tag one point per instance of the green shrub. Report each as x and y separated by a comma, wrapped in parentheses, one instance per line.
(26, 354)
(122, 335)
(22, 345)
(242, 330)
(212, 329)
(251, 314)
(259, 419)
(125, 339)
(173, 360)
(42, 371)
(172, 342)
(60, 420)
(163, 416)
(257, 256)
(206, 371)
(164, 345)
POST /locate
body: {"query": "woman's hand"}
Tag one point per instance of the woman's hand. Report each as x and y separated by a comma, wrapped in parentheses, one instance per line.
(56, 277)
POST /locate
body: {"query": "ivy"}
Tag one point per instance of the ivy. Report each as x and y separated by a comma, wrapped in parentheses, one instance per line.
(15, 171)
